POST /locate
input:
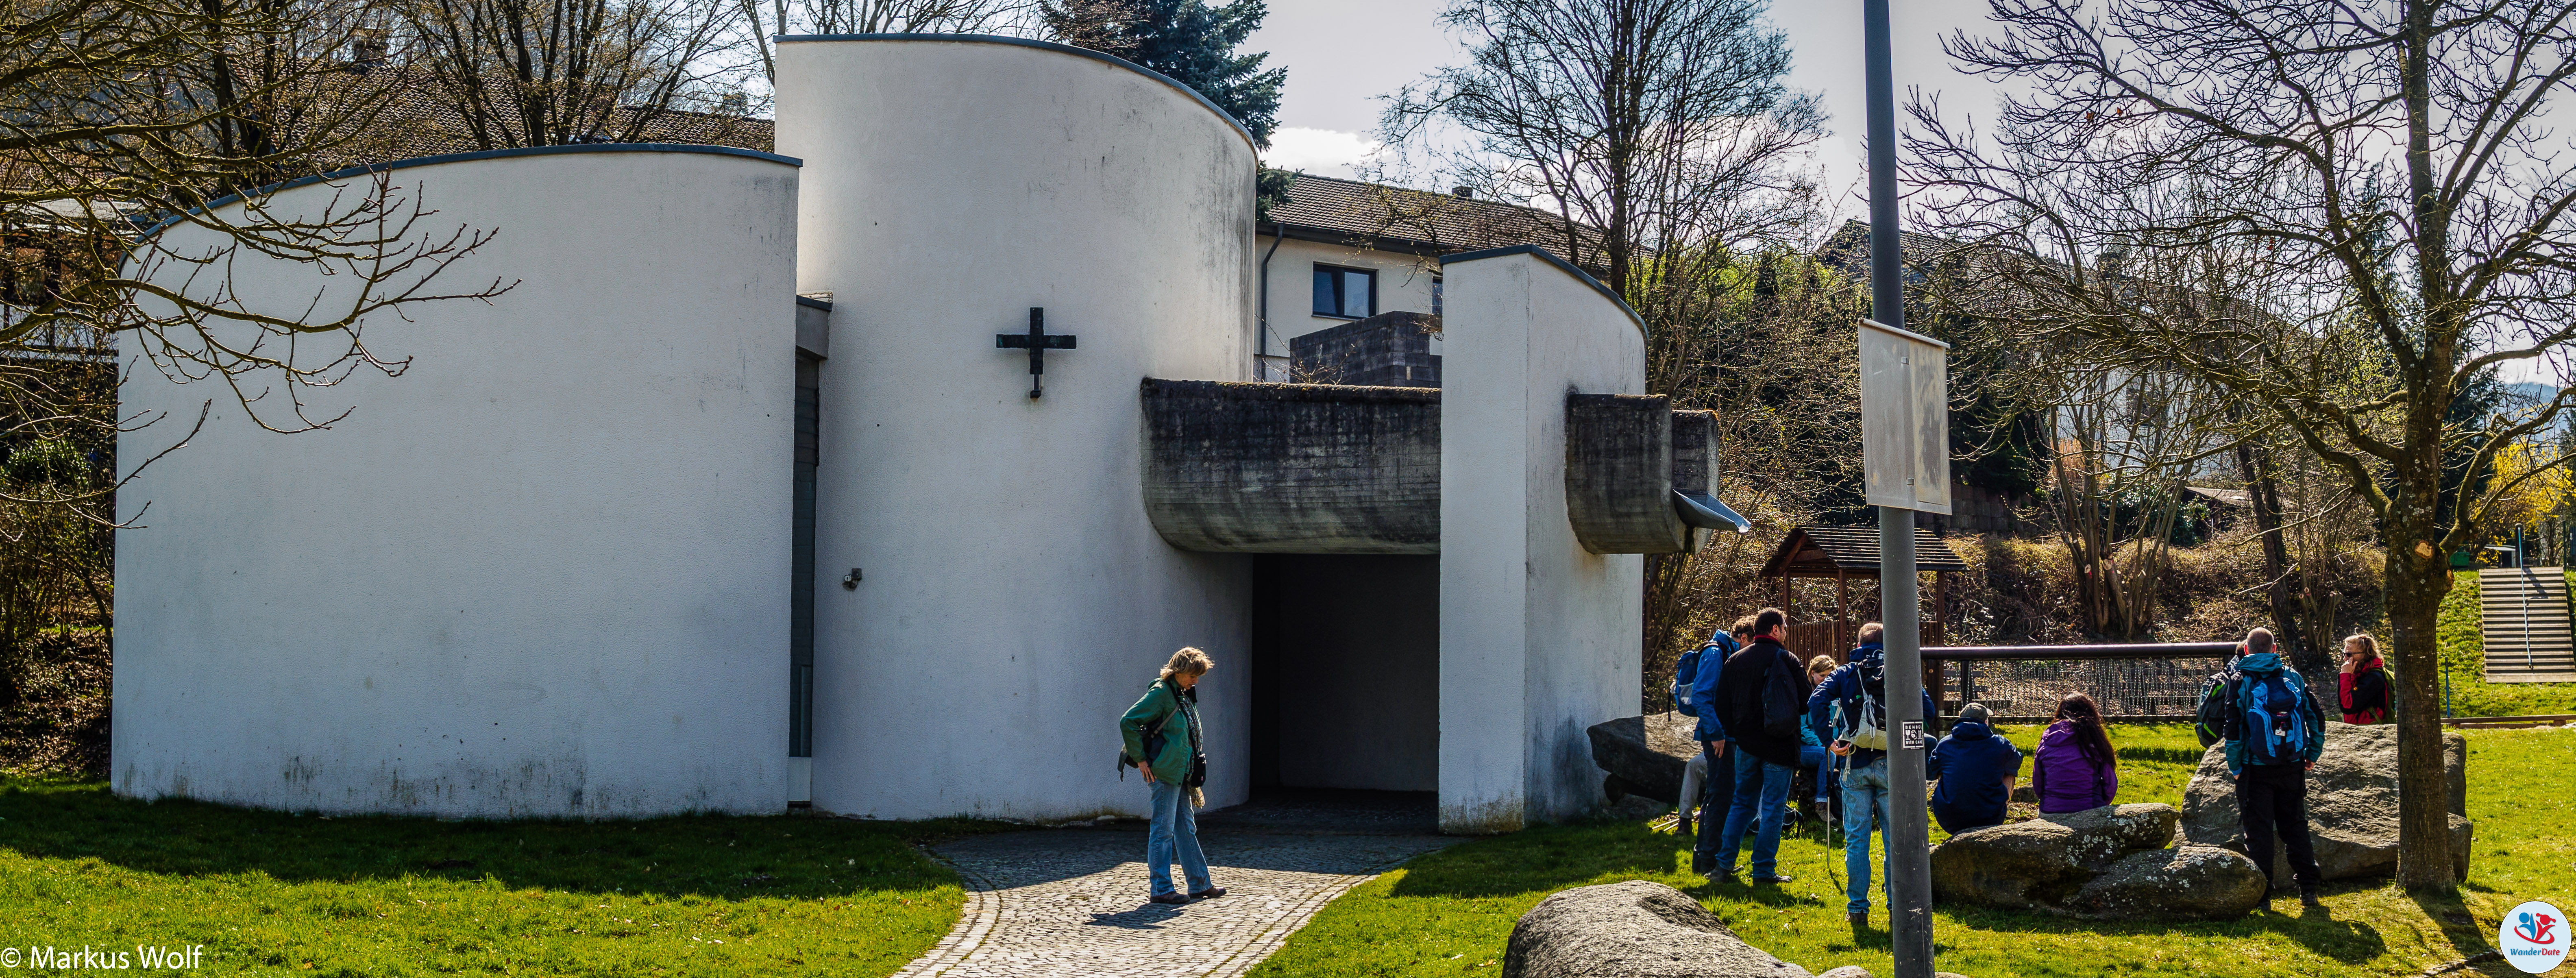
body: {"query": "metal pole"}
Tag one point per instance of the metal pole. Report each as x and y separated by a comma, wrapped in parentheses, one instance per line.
(1886, 265)
(1909, 855)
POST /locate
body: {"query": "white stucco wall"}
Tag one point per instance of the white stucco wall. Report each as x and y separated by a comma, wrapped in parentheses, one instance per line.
(544, 572)
(1403, 284)
(1015, 600)
(1538, 638)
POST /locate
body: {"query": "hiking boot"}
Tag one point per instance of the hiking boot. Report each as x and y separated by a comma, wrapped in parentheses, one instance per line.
(2308, 897)
(1169, 898)
(1774, 879)
(1210, 893)
(1702, 863)
(1682, 824)
(1859, 922)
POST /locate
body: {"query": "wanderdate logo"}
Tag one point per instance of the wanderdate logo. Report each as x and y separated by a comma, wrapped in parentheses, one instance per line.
(2533, 937)
(144, 957)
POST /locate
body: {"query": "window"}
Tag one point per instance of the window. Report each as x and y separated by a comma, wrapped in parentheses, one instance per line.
(1350, 293)
(1435, 295)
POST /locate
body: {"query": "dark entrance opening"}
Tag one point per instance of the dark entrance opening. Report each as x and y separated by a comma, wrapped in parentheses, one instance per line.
(800, 628)
(1346, 679)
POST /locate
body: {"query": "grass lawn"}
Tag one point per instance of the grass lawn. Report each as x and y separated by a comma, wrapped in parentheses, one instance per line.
(270, 893)
(1450, 912)
(2464, 663)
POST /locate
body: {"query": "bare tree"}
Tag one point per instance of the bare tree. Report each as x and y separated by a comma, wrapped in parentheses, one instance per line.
(1651, 127)
(126, 115)
(2126, 442)
(1010, 17)
(1771, 352)
(2389, 166)
(555, 72)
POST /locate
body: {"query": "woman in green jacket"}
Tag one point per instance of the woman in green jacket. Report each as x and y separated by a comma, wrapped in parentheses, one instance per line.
(1162, 732)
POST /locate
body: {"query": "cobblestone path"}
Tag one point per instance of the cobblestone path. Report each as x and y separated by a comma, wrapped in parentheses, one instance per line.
(1071, 902)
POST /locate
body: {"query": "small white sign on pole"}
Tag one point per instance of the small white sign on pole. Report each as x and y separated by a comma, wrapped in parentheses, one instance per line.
(1905, 418)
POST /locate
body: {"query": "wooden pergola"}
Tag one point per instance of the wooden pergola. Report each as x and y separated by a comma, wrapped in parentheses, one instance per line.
(1843, 553)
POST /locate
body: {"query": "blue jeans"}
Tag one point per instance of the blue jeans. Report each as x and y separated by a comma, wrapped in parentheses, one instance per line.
(1864, 808)
(1761, 799)
(1717, 796)
(1175, 828)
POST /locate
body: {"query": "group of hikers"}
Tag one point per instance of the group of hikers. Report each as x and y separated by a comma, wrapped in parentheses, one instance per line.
(1763, 718)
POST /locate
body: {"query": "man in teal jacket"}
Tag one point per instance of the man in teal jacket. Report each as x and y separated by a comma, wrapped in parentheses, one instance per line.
(1161, 733)
(2275, 731)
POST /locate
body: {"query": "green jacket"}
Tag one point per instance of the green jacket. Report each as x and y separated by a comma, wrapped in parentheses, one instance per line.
(1161, 700)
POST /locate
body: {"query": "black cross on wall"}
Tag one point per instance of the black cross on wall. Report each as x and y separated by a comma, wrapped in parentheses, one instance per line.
(1037, 342)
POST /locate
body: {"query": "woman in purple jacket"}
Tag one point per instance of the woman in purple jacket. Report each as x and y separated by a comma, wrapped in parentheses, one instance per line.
(2073, 770)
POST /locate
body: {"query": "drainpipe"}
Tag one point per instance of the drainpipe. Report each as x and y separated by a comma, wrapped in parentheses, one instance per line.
(1277, 236)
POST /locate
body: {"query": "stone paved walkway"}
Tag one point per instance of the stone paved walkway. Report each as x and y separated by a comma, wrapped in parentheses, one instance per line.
(1071, 902)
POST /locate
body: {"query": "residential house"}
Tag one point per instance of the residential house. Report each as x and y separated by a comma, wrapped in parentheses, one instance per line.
(1342, 251)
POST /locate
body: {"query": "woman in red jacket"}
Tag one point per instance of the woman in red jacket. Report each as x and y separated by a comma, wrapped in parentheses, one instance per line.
(2363, 681)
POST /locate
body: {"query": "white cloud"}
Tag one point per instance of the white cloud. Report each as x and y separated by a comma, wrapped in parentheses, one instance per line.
(1324, 152)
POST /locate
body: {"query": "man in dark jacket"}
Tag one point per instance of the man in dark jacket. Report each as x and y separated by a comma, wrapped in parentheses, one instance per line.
(1759, 698)
(2275, 732)
(1844, 703)
(1976, 770)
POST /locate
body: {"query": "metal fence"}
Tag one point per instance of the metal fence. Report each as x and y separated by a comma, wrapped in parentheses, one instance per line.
(2144, 683)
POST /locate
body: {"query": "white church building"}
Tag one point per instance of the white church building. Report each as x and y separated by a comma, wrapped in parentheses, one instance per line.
(745, 495)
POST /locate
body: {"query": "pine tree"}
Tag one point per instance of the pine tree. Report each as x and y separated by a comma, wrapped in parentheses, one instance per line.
(1187, 40)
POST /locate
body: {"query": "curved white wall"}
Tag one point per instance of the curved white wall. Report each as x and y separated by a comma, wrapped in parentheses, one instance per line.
(1538, 631)
(1014, 598)
(544, 572)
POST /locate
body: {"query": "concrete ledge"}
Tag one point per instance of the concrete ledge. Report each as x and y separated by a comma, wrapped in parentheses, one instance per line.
(1695, 463)
(1292, 468)
(1619, 468)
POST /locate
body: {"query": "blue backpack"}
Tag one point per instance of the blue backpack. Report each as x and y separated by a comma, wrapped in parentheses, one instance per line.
(2270, 719)
(1686, 671)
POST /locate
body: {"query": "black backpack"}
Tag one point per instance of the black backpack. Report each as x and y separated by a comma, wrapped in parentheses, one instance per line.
(2217, 693)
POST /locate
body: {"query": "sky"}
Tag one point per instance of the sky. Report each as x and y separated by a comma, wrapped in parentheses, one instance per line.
(1342, 54)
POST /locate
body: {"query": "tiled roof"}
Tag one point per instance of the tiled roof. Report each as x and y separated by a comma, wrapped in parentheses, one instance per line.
(2231, 497)
(419, 122)
(1822, 551)
(1421, 220)
(1848, 249)
(1979, 279)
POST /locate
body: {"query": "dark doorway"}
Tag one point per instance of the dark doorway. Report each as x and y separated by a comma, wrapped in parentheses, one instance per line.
(1346, 673)
(800, 628)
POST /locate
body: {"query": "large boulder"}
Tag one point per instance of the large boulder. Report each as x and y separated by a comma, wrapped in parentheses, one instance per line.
(2352, 805)
(1646, 753)
(2184, 881)
(1634, 929)
(2041, 863)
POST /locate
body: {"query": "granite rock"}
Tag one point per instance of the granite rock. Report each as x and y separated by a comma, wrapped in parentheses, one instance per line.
(1646, 753)
(2352, 805)
(2184, 881)
(2040, 863)
(1634, 929)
